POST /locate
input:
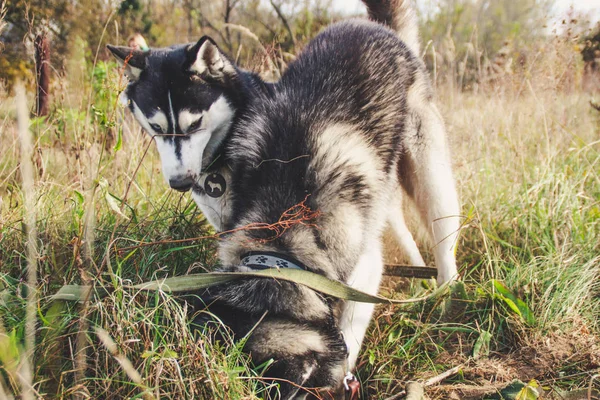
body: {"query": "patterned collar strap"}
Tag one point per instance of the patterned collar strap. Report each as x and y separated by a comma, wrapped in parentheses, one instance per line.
(264, 260)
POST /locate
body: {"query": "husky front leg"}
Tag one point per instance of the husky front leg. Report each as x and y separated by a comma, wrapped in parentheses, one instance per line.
(427, 176)
(356, 317)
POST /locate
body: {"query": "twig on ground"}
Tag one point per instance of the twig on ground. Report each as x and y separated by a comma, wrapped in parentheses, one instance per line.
(298, 214)
(444, 375)
(415, 390)
(591, 386)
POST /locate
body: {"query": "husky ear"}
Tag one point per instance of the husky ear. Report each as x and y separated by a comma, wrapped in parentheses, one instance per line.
(205, 59)
(134, 60)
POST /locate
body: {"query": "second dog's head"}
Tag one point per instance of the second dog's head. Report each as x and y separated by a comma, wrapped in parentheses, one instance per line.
(185, 98)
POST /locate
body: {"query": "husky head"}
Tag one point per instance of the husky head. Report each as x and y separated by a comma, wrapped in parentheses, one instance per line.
(183, 97)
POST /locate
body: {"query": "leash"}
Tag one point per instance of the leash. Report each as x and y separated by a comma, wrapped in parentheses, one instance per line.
(410, 271)
(270, 259)
(193, 282)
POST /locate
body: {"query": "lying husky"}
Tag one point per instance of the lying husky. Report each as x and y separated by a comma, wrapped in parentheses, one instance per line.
(315, 160)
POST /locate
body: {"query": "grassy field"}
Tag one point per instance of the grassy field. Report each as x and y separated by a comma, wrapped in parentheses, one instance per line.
(527, 164)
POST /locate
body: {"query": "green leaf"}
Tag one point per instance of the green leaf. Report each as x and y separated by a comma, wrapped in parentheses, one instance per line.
(394, 335)
(119, 143)
(260, 368)
(371, 357)
(116, 201)
(510, 392)
(529, 392)
(511, 304)
(50, 318)
(482, 345)
(113, 203)
(78, 197)
(9, 351)
(148, 354)
(458, 291)
(237, 371)
(168, 353)
(514, 303)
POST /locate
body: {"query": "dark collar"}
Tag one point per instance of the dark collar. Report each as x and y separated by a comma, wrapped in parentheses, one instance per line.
(269, 259)
(217, 161)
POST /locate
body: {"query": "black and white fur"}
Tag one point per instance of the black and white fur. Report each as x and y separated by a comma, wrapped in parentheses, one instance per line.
(188, 97)
(351, 128)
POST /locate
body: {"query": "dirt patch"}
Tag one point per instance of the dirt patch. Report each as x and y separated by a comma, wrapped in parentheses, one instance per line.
(555, 360)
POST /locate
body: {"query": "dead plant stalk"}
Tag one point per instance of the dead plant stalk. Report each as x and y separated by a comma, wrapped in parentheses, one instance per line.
(26, 374)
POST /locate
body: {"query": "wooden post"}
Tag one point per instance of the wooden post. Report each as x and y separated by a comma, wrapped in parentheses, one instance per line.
(42, 67)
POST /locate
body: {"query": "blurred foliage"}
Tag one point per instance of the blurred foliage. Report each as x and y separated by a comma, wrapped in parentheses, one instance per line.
(591, 46)
(487, 23)
(136, 17)
(61, 20)
(466, 42)
(472, 41)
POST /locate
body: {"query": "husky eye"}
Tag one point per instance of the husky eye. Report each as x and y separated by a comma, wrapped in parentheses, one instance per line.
(156, 128)
(195, 125)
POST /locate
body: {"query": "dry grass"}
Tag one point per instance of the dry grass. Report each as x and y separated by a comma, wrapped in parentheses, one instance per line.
(527, 168)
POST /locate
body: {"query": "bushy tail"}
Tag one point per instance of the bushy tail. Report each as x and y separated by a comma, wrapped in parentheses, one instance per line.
(398, 15)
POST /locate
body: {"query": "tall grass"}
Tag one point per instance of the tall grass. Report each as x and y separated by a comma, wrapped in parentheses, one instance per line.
(525, 150)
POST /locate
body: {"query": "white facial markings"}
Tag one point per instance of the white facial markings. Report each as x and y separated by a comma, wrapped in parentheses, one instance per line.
(157, 124)
(191, 153)
(217, 120)
(171, 112)
(219, 113)
(141, 118)
(171, 167)
(159, 120)
(187, 119)
(186, 161)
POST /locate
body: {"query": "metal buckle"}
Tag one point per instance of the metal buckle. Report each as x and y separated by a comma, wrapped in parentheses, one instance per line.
(352, 386)
(348, 378)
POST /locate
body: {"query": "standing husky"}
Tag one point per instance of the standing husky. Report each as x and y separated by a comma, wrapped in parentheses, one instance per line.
(350, 126)
(348, 130)
(191, 111)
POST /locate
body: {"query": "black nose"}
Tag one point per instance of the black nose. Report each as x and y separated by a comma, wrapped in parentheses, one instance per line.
(181, 183)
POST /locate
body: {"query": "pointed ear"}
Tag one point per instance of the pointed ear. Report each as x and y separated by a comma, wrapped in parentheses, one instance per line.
(205, 59)
(134, 60)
